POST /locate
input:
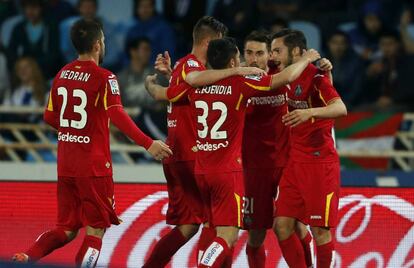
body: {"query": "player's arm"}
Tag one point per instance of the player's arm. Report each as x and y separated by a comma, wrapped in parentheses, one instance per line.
(156, 91)
(326, 65)
(207, 77)
(50, 115)
(334, 109)
(293, 71)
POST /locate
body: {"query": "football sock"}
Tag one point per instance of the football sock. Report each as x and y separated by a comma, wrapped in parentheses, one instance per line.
(88, 253)
(166, 247)
(307, 244)
(293, 252)
(325, 255)
(229, 259)
(46, 243)
(206, 237)
(256, 256)
(216, 254)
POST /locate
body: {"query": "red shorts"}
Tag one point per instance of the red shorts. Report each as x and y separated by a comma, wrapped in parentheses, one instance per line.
(86, 201)
(185, 205)
(222, 195)
(260, 191)
(309, 192)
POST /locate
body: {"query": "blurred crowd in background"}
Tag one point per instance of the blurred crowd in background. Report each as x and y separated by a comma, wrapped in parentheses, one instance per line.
(369, 42)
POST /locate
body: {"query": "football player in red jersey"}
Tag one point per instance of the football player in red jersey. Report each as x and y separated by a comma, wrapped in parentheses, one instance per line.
(185, 209)
(83, 99)
(220, 110)
(309, 188)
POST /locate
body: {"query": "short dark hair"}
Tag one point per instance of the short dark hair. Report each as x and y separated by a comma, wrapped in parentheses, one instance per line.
(208, 26)
(31, 3)
(258, 36)
(84, 34)
(339, 32)
(291, 39)
(394, 34)
(221, 51)
(83, 1)
(135, 43)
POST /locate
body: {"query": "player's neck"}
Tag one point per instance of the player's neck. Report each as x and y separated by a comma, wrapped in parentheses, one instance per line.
(200, 54)
(88, 57)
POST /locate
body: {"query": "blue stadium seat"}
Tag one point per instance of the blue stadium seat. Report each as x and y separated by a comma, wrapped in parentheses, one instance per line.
(7, 29)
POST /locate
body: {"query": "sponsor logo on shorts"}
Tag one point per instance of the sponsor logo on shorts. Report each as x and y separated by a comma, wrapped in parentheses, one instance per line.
(316, 217)
(209, 147)
(67, 137)
(211, 254)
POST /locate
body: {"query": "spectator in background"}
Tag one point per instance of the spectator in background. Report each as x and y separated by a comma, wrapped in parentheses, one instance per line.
(238, 16)
(154, 27)
(183, 14)
(4, 76)
(132, 83)
(58, 10)
(348, 67)
(29, 88)
(36, 37)
(406, 37)
(7, 9)
(277, 24)
(365, 36)
(88, 10)
(286, 9)
(390, 78)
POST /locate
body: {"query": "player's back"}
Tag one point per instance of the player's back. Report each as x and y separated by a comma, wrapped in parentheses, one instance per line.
(80, 98)
(220, 110)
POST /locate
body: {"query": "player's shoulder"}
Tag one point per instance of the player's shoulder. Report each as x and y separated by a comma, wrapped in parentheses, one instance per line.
(191, 61)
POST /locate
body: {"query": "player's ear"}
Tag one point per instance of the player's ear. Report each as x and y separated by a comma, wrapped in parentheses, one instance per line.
(296, 52)
(232, 63)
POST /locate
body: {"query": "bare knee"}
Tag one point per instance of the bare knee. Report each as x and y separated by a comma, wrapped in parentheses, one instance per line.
(284, 227)
(256, 237)
(71, 234)
(188, 230)
(97, 232)
(321, 235)
(229, 233)
(301, 230)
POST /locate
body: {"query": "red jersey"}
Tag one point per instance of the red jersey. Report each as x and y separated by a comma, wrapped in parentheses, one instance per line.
(80, 95)
(220, 110)
(180, 122)
(265, 137)
(312, 140)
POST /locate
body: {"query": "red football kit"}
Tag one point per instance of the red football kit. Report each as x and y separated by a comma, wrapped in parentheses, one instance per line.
(185, 204)
(309, 188)
(220, 112)
(265, 150)
(82, 99)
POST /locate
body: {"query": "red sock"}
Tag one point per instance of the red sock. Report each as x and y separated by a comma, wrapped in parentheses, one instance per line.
(307, 244)
(165, 249)
(216, 254)
(326, 255)
(293, 252)
(46, 243)
(88, 253)
(206, 237)
(256, 256)
(229, 260)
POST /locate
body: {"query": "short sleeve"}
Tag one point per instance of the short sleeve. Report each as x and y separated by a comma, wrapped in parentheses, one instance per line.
(178, 92)
(324, 88)
(254, 84)
(189, 66)
(111, 93)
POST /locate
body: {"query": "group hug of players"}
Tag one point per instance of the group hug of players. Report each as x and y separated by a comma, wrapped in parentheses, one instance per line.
(248, 148)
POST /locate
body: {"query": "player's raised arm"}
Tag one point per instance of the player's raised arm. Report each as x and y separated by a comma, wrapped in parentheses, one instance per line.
(207, 77)
(293, 71)
(156, 91)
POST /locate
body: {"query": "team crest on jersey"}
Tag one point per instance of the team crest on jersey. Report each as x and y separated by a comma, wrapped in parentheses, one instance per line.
(113, 83)
(192, 63)
(298, 90)
(253, 77)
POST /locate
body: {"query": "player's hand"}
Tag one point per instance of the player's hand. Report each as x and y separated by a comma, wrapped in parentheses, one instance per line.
(311, 55)
(249, 71)
(163, 64)
(325, 65)
(159, 150)
(297, 117)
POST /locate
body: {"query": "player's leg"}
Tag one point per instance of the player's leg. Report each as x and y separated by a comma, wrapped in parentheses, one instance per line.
(307, 243)
(225, 209)
(179, 213)
(255, 250)
(289, 207)
(97, 213)
(66, 228)
(208, 233)
(325, 248)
